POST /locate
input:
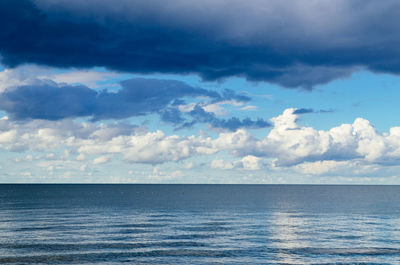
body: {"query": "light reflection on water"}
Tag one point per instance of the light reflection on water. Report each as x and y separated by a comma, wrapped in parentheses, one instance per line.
(208, 225)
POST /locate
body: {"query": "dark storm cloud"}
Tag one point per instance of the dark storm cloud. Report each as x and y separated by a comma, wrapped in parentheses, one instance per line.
(292, 43)
(51, 101)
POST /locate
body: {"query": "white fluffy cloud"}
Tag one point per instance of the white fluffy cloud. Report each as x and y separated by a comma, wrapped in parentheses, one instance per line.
(16, 77)
(221, 164)
(33, 74)
(288, 144)
(88, 78)
(146, 147)
(135, 144)
(102, 159)
(291, 143)
(248, 163)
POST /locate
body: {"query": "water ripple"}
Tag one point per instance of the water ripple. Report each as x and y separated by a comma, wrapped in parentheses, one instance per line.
(269, 229)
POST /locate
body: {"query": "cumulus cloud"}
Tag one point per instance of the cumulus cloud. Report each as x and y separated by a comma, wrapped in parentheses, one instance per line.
(322, 167)
(102, 160)
(295, 44)
(221, 164)
(248, 162)
(288, 144)
(149, 148)
(135, 144)
(291, 143)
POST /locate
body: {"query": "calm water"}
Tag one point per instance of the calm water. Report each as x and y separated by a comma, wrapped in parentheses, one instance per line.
(199, 224)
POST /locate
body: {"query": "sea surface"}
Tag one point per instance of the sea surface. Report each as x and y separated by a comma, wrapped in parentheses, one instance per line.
(199, 224)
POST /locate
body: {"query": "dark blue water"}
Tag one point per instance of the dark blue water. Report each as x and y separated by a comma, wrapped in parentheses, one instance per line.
(199, 224)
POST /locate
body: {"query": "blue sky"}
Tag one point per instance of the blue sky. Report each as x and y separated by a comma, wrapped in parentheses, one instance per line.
(140, 92)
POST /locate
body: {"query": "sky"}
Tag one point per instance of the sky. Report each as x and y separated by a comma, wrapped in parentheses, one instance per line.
(212, 91)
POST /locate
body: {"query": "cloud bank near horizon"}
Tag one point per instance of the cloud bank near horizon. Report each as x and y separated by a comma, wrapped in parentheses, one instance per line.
(293, 44)
(287, 145)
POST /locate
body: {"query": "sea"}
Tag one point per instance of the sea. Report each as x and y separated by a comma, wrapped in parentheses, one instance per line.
(199, 224)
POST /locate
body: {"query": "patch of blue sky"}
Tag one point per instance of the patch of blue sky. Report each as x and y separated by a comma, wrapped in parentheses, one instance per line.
(365, 94)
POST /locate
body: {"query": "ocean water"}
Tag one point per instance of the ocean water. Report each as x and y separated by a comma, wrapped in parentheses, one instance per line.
(199, 224)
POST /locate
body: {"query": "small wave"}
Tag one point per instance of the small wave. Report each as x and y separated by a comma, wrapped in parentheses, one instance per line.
(114, 256)
(99, 246)
(162, 220)
(133, 231)
(138, 225)
(347, 237)
(204, 228)
(73, 247)
(351, 263)
(181, 244)
(162, 216)
(345, 251)
(216, 223)
(191, 236)
(40, 228)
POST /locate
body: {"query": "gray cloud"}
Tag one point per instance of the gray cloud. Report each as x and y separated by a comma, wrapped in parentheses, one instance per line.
(48, 100)
(52, 101)
(310, 110)
(200, 115)
(294, 44)
(303, 111)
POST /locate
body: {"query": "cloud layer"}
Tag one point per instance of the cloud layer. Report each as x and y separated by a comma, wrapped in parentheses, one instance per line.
(294, 44)
(288, 144)
(47, 100)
